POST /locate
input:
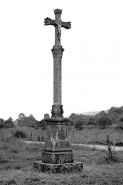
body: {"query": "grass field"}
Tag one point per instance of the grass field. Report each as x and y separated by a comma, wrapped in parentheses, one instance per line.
(17, 157)
(86, 136)
(16, 162)
(95, 135)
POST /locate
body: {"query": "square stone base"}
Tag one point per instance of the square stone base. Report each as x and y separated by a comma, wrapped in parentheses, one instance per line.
(56, 157)
(58, 168)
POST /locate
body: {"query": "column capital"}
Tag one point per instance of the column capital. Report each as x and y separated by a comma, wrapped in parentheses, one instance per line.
(57, 111)
(57, 11)
(57, 51)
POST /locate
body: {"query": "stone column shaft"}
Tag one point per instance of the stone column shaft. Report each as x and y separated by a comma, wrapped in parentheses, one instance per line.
(57, 94)
(57, 82)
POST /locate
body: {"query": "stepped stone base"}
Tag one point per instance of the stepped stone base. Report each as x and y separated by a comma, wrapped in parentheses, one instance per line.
(58, 168)
(57, 156)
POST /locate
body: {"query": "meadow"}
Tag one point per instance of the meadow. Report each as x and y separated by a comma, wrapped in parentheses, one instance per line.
(86, 136)
(17, 157)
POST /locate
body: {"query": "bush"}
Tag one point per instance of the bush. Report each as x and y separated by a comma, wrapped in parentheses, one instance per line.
(9, 123)
(79, 125)
(120, 126)
(91, 121)
(103, 122)
(19, 134)
(119, 144)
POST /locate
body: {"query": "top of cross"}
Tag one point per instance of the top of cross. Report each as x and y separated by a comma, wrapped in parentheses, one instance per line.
(57, 23)
(57, 11)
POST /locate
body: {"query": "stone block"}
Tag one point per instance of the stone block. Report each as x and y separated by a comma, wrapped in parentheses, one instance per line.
(58, 168)
(56, 157)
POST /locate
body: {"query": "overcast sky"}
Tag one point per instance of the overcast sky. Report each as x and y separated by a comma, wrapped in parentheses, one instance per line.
(92, 63)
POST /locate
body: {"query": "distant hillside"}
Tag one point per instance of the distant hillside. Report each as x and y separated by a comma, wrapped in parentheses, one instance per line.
(91, 113)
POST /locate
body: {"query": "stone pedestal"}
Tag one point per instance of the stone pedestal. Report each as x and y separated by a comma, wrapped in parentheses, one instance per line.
(57, 155)
(57, 146)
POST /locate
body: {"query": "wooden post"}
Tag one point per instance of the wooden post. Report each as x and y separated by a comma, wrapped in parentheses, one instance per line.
(109, 149)
(38, 138)
(31, 136)
(2, 134)
(114, 143)
(74, 136)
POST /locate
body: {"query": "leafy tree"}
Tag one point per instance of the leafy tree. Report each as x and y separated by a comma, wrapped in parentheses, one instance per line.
(118, 110)
(72, 116)
(21, 116)
(120, 126)
(79, 125)
(9, 123)
(29, 121)
(79, 117)
(120, 129)
(114, 117)
(1, 123)
(103, 122)
(71, 123)
(91, 121)
(102, 113)
(31, 116)
(1, 127)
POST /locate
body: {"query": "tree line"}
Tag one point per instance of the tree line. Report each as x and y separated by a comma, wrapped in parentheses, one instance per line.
(114, 116)
(9, 123)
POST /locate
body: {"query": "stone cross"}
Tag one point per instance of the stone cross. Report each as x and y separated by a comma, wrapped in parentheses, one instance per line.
(57, 51)
(57, 23)
(57, 156)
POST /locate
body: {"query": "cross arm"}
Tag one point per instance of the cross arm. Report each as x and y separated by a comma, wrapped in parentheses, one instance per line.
(66, 25)
(48, 21)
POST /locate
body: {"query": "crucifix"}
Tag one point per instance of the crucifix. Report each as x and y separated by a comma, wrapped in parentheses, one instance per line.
(57, 155)
(57, 51)
(57, 23)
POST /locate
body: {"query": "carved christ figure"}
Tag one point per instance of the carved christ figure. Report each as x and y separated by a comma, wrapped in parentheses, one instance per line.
(59, 32)
(57, 25)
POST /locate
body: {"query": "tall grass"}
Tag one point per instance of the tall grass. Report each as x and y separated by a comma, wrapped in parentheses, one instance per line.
(95, 136)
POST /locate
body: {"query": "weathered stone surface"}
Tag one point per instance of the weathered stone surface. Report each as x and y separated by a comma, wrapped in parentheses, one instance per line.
(57, 131)
(57, 120)
(57, 51)
(57, 78)
(57, 157)
(57, 110)
(58, 168)
(57, 11)
(57, 146)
